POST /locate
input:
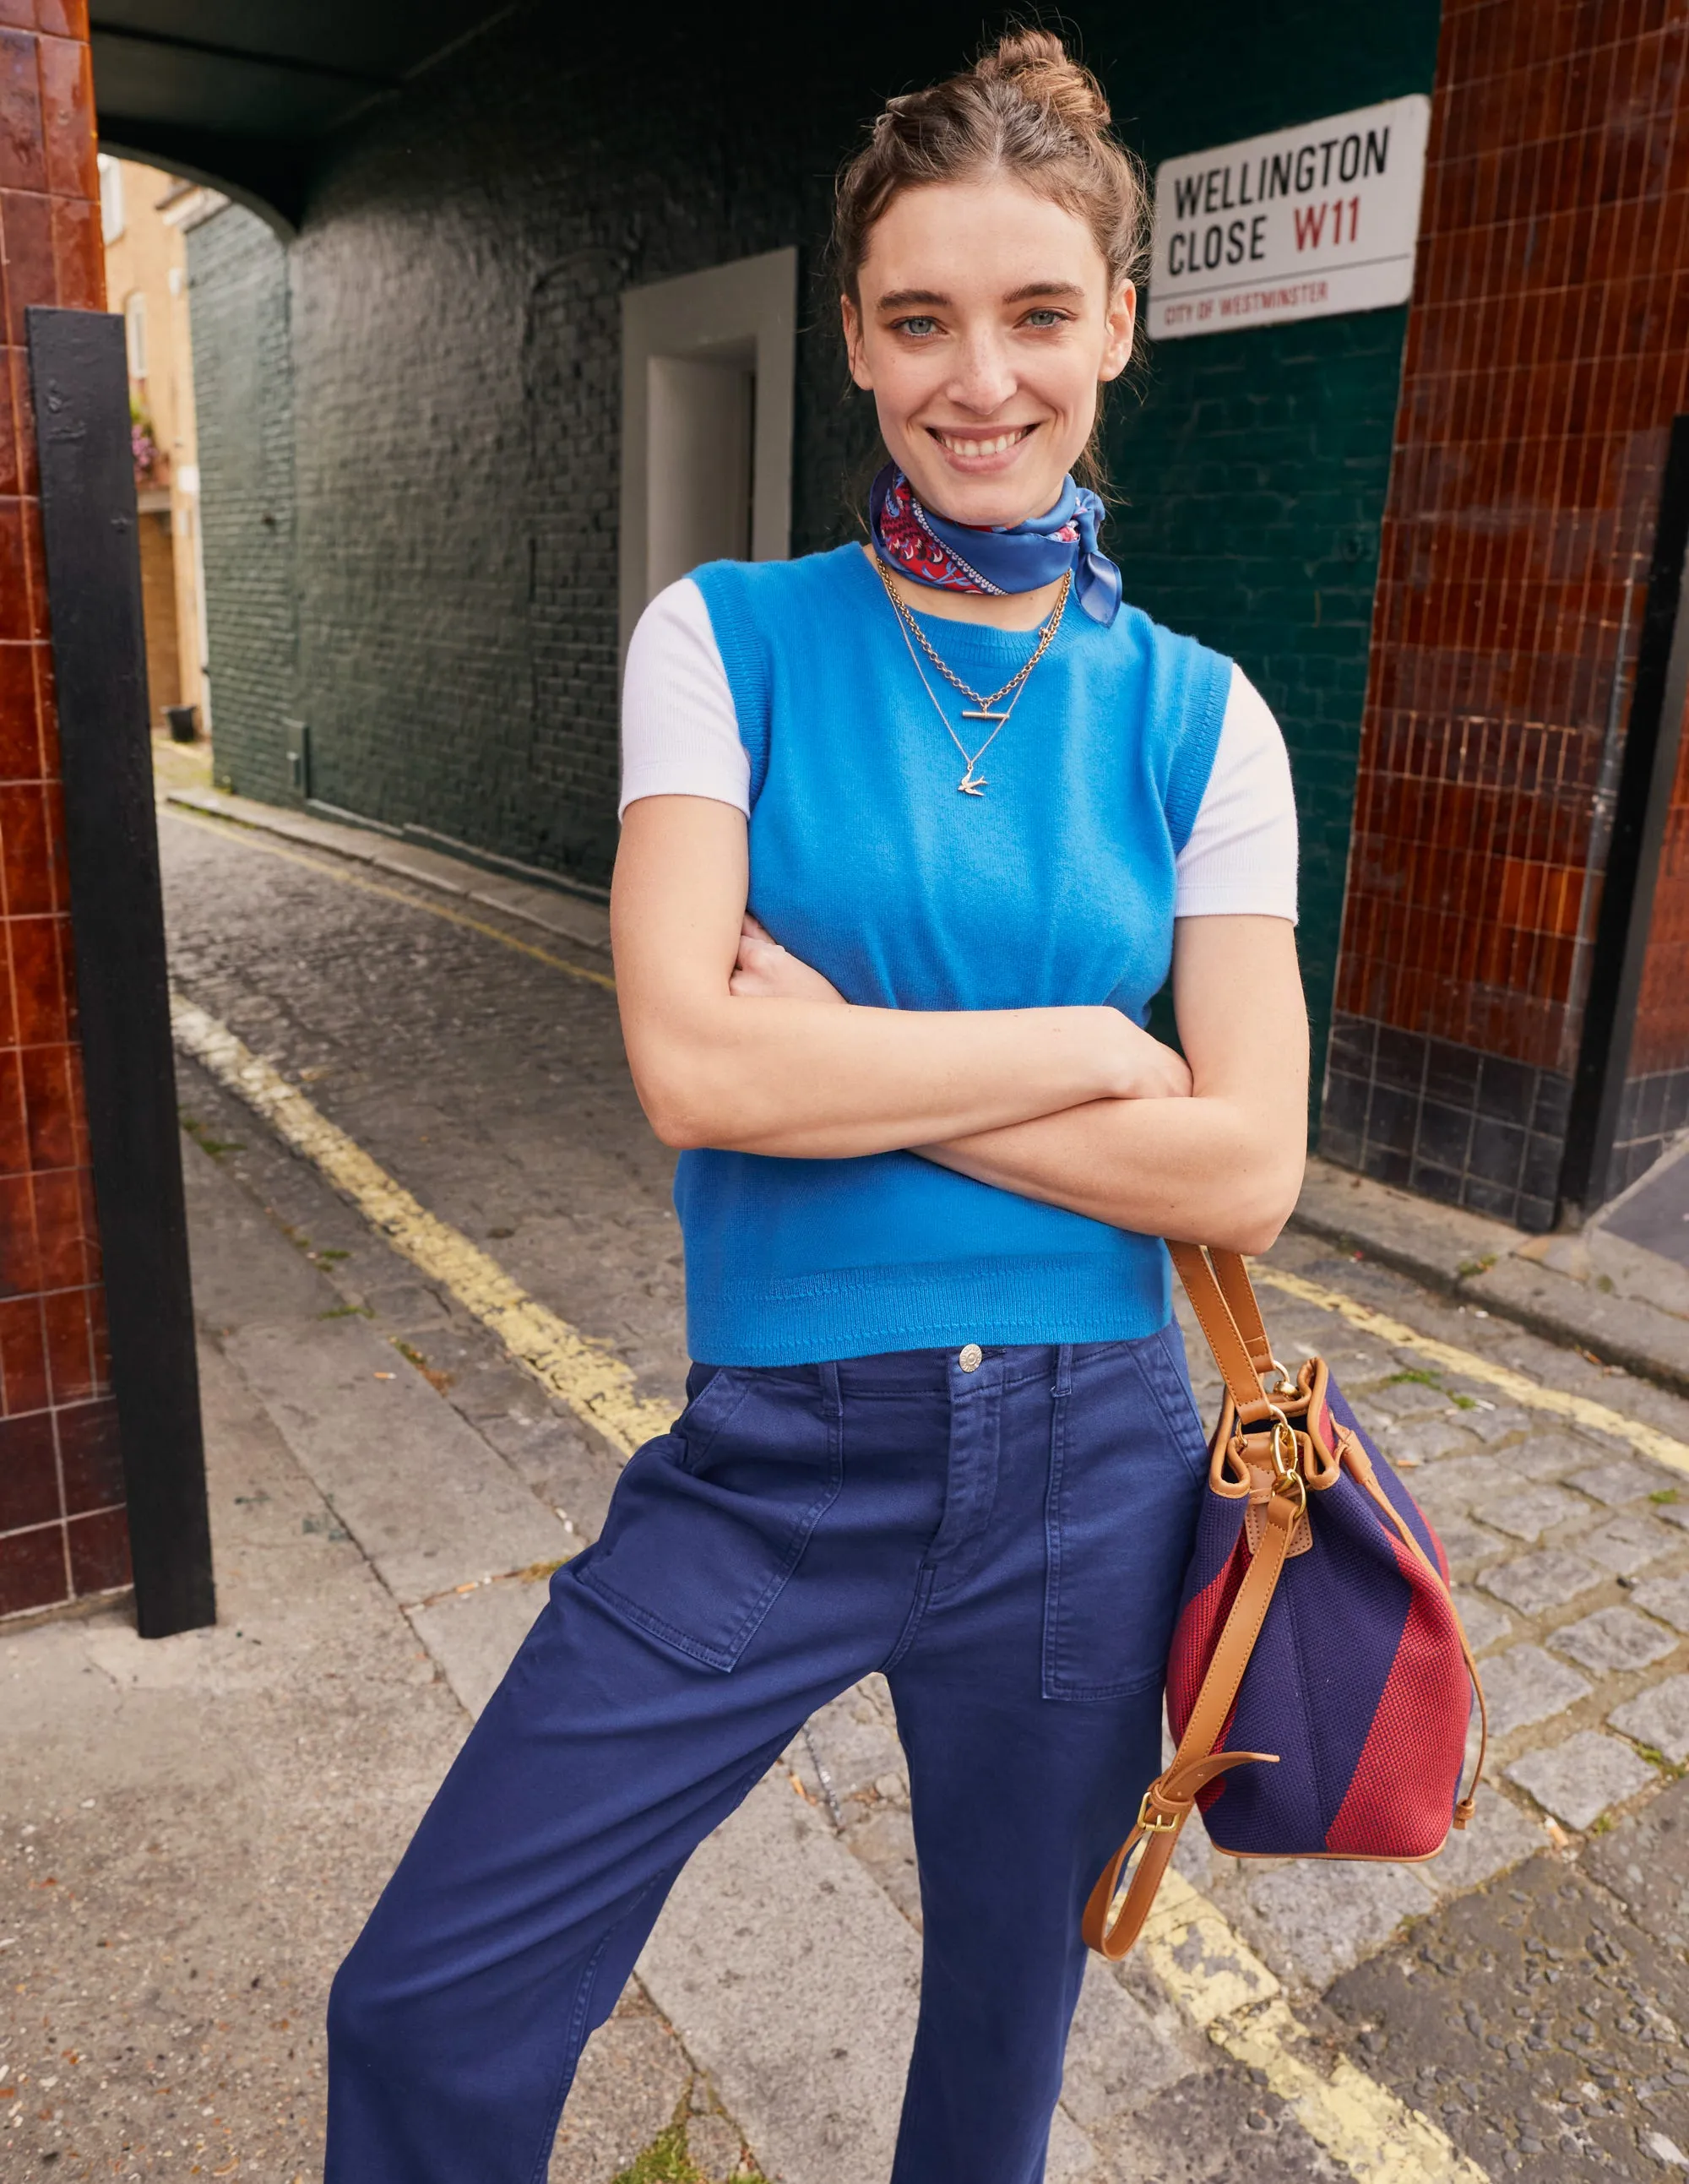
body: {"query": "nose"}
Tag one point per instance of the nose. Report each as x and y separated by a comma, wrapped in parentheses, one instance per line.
(984, 379)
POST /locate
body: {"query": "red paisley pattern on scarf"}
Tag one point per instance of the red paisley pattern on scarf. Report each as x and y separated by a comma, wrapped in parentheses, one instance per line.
(905, 541)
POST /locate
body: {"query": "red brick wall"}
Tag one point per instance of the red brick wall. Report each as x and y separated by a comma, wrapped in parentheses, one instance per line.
(62, 1528)
(1548, 350)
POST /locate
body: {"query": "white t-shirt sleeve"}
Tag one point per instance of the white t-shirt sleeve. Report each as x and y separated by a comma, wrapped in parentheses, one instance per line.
(680, 737)
(1241, 860)
(679, 728)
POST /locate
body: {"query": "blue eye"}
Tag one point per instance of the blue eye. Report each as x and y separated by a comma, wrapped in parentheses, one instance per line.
(918, 326)
(1044, 317)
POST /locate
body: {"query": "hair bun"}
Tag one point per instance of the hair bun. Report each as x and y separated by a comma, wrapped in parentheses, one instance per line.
(1042, 69)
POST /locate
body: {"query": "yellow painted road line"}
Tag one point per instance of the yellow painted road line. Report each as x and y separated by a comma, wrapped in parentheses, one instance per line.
(1580, 1410)
(588, 1376)
(1223, 1987)
(1213, 1977)
(251, 840)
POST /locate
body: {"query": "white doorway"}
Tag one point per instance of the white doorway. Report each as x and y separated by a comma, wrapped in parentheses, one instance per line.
(701, 478)
(706, 406)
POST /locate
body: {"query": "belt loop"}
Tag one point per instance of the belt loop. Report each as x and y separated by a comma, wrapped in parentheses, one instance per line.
(1064, 1372)
(832, 1404)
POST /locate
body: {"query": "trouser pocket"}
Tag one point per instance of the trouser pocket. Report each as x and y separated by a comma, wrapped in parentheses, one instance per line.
(708, 1521)
(1128, 1465)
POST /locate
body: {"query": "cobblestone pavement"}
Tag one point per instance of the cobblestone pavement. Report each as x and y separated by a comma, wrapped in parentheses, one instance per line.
(1527, 1989)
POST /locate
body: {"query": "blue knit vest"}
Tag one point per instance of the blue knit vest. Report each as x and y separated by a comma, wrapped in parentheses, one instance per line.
(1055, 886)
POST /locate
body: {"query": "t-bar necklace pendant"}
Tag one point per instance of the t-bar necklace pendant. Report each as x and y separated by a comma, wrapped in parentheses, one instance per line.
(983, 708)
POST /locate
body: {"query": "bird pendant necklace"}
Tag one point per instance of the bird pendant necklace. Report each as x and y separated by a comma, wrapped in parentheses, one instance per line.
(984, 707)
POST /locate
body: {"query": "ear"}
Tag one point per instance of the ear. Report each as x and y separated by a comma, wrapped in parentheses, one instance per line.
(852, 319)
(1122, 324)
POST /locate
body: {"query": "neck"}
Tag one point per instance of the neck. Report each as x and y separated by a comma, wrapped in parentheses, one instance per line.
(996, 610)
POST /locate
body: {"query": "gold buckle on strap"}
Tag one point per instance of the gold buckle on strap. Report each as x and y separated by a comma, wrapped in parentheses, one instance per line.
(1145, 1825)
(1287, 1477)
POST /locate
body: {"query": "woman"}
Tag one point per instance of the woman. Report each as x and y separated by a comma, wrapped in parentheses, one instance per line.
(978, 807)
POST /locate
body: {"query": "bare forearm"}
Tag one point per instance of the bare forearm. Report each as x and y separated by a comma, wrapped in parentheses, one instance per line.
(812, 1081)
(1210, 1170)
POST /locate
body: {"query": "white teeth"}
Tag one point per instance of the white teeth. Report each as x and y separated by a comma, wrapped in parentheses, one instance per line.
(994, 447)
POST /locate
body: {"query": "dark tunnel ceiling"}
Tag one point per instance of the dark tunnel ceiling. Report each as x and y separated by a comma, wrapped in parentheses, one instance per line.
(240, 93)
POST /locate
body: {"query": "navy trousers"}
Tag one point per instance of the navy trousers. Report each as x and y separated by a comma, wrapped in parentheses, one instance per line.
(1007, 1543)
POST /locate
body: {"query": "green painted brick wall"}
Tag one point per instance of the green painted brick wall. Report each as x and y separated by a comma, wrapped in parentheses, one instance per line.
(439, 599)
(243, 390)
(1252, 467)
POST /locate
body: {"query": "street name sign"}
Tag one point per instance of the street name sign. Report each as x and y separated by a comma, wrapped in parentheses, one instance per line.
(1297, 225)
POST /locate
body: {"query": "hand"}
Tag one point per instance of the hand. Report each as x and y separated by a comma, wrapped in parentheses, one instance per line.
(1145, 1068)
(766, 972)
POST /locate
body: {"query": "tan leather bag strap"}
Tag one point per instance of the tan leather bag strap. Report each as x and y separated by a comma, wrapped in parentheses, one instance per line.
(1229, 1342)
(1239, 1292)
(1114, 1917)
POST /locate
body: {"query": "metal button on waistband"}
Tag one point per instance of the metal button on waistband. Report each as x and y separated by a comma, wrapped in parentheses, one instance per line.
(971, 1358)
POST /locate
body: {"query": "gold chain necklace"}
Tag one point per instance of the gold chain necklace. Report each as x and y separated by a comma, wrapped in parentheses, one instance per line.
(983, 707)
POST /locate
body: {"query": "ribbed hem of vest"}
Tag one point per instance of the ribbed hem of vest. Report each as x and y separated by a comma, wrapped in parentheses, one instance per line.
(860, 1311)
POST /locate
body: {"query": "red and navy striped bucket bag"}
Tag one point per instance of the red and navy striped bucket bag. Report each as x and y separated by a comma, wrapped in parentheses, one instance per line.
(1319, 1683)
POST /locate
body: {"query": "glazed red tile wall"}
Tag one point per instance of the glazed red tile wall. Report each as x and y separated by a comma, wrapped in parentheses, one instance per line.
(62, 1528)
(1548, 350)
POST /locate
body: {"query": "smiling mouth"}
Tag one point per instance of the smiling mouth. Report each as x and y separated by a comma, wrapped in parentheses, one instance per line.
(996, 443)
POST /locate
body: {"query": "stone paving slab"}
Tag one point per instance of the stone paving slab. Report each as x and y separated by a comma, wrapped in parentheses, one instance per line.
(1468, 1546)
(423, 1495)
(1313, 1919)
(474, 1635)
(1613, 1639)
(1525, 1685)
(1629, 1479)
(1528, 1514)
(1629, 1543)
(1121, 2053)
(1641, 1862)
(1458, 1482)
(1579, 1780)
(1658, 1718)
(1485, 1624)
(1535, 1583)
(1415, 1441)
(1667, 1597)
(1500, 1835)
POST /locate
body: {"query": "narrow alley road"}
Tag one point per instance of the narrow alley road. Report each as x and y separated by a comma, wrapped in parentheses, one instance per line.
(1518, 2006)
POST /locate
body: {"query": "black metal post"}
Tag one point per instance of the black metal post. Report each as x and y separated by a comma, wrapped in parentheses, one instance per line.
(1650, 763)
(93, 573)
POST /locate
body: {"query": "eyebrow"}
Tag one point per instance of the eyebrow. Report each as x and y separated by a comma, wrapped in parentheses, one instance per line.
(901, 299)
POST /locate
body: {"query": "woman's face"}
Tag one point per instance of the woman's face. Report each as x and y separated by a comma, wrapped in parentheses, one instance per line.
(985, 323)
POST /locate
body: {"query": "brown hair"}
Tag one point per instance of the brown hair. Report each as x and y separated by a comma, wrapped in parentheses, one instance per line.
(1026, 107)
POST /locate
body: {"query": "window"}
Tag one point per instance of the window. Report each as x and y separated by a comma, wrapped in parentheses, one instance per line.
(135, 332)
(706, 414)
(111, 198)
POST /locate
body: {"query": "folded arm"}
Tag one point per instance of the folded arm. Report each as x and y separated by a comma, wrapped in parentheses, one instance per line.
(1223, 1167)
(721, 1057)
